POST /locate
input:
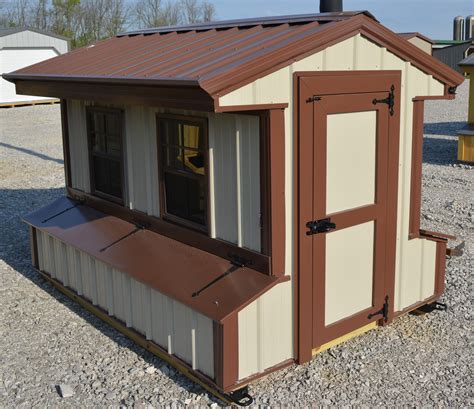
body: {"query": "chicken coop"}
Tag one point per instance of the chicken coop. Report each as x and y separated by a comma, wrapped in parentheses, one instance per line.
(243, 194)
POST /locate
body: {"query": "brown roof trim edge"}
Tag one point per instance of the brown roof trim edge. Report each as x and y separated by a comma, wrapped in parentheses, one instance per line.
(12, 77)
(244, 108)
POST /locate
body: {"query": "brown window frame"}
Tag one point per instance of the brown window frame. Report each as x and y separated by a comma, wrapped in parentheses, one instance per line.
(91, 110)
(190, 120)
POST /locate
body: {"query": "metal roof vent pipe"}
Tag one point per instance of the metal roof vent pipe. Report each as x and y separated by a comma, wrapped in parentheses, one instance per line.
(469, 28)
(458, 28)
(330, 6)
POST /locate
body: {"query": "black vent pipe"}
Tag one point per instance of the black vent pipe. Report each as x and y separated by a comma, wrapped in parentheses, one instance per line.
(330, 6)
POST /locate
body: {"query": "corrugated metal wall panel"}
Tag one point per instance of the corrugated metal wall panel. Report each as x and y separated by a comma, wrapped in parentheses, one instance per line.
(170, 324)
(78, 145)
(222, 141)
(249, 181)
(142, 161)
(361, 54)
(235, 151)
(266, 331)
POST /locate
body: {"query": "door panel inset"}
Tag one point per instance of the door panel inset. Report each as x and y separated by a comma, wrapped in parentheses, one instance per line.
(349, 271)
(351, 160)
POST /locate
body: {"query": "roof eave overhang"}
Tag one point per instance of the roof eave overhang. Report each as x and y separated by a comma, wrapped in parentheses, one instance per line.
(172, 93)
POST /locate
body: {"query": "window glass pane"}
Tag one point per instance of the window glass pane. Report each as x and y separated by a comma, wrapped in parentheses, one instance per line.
(169, 131)
(112, 125)
(113, 144)
(98, 123)
(185, 197)
(98, 142)
(173, 157)
(194, 161)
(107, 176)
(192, 136)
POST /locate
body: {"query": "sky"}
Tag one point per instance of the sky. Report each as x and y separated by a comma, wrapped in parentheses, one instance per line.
(433, 18)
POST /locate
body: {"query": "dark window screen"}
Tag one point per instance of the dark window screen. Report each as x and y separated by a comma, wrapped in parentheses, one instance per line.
(105, 150)
(183, 166)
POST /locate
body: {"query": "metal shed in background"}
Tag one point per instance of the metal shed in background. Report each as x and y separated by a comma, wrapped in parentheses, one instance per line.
(21, 47)
(451, 52)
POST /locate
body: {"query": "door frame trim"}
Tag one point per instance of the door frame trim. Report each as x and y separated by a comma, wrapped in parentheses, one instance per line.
(340, 82)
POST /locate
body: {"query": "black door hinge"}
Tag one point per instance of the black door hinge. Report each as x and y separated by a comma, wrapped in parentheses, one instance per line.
(313, 99)
(390, 100)
(383, 311)
(320, 226)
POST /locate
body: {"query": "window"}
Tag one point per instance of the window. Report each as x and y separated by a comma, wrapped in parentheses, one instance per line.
(104, 127)
(182, 144)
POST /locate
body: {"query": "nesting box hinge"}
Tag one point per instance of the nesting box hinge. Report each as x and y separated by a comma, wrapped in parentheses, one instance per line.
(390, 100)
(383, 311)
(313, 99)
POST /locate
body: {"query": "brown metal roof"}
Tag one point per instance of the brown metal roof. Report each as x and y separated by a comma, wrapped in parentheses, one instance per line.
(218, 57)
(173, 268)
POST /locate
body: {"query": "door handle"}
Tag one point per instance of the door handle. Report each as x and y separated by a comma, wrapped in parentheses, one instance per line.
(320, 226)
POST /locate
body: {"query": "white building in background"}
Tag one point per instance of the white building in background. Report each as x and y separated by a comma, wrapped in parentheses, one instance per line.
(21, 47)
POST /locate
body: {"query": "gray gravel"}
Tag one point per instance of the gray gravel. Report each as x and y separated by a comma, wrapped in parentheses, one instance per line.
(49, 344)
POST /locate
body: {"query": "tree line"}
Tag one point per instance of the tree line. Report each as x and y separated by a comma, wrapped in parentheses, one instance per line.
(87, 21)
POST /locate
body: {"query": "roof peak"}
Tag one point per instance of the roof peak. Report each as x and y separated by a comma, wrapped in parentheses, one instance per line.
(249, 22)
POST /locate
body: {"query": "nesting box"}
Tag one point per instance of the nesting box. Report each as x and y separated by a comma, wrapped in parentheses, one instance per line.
(242, 194)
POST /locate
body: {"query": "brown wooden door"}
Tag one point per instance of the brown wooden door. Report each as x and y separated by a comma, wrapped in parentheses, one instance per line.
(352, 248)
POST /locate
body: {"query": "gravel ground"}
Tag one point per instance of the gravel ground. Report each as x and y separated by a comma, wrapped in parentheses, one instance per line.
(47, 340)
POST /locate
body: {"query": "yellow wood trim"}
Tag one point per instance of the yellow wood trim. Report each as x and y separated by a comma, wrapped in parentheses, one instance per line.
(345, 338)
(466, 148)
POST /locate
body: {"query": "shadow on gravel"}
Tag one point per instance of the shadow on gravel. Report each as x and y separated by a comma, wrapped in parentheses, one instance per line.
(15, 251)
(440, 151)
(30, 152)
(443, 128)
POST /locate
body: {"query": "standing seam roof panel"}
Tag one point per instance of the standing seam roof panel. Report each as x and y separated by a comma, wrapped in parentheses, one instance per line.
(227, 40)
(242, 58)
(228, 52)
(139, 60)
(160, 50)
(213, 62)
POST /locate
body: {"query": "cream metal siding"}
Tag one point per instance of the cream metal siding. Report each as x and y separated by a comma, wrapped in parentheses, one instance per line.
(142, 160)
(357, 53)
(78, 147)
(234, 146)
(234, 167)
(170, 324)
(266, 331)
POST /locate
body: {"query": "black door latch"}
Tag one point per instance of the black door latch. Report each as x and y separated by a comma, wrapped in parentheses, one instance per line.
(390, 100)
(320, 226)
(383, 311)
